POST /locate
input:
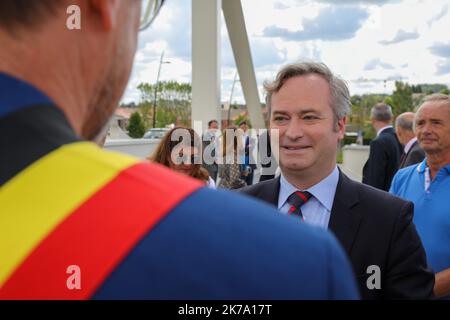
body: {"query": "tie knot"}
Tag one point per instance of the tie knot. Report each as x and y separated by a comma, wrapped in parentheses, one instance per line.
(299, 198)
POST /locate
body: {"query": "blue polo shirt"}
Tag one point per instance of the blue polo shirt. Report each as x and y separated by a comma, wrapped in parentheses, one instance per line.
(431, 209)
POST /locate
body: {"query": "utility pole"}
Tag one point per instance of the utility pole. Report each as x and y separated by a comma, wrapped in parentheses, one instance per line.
(231, 98)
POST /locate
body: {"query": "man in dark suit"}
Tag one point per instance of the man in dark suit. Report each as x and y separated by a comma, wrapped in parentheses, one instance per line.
(412, 153)
(308, 106)
(385, 150)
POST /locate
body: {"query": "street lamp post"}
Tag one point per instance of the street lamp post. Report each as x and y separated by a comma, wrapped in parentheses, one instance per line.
(231, 97)
(161, 61)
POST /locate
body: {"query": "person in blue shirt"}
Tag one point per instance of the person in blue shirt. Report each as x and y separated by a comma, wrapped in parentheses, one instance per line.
(427, 184)
(127, 230)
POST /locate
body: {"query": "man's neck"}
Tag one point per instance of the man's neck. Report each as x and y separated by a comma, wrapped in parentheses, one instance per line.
(48, 71)
(437, 161)
(306, 179)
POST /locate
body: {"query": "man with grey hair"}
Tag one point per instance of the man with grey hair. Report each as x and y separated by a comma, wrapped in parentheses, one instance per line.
(308, 111)
(385, 150)
(427, 184)
(412, 152)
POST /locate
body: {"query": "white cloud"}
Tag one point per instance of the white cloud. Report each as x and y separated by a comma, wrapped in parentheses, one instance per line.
(332, 24)
(377, 63)
(350, 36)
(443, 68)
(401, 36)
(439, 15)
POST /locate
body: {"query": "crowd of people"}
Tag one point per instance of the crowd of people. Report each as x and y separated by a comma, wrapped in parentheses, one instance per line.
(158, 230)
(311, 187)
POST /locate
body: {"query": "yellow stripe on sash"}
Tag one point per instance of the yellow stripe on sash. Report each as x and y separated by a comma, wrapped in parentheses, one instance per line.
(38, 199)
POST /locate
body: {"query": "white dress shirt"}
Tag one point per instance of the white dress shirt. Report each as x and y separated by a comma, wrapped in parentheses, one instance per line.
(317, 210)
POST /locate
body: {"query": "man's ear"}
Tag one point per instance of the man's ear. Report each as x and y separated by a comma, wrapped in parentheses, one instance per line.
(106, 10)
(341, 127)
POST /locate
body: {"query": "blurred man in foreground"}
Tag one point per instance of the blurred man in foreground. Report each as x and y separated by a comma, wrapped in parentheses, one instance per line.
(77, 222)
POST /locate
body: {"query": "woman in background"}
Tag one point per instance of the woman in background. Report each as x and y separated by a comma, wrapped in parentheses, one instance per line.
(180, 150)
(230, 170)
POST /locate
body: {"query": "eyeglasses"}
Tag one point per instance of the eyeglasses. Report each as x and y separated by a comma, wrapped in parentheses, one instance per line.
(150, 10)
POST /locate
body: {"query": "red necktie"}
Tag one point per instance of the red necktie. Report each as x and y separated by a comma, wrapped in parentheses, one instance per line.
(296, 200)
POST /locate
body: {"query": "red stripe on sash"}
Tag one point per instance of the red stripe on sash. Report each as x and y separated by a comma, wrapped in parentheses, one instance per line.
(98, 235)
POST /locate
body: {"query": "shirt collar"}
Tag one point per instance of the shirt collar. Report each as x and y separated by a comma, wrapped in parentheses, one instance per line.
(423, 165)
(324, 191)
(384, 128)
(409, 145)
(447, 167)
(17, 94)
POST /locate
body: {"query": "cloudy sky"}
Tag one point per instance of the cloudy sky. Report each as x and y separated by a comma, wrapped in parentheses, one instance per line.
(370, 43)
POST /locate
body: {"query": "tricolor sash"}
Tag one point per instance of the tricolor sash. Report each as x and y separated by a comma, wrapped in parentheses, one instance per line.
(78, 206)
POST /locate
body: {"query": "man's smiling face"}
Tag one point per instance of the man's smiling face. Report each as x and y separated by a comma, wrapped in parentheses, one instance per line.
(308, 133)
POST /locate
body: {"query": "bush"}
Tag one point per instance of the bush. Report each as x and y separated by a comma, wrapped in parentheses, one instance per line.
(349, 140)
(136, 127)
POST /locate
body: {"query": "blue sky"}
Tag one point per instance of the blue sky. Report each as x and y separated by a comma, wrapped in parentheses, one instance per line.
(370, 43)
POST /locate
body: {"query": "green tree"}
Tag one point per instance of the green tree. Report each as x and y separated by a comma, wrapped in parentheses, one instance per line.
(432, 88)
(402, 98)
(136, 128)
(242, 117)
(146, 109)
(173, 103)
(360, 117)
(445, 91)
(357, 113)
(416, 89)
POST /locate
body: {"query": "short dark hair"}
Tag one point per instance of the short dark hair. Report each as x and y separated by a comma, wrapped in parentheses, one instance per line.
(26, 13)
(243, 122)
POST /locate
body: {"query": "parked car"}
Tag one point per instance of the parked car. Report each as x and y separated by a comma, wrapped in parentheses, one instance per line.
(156, 133)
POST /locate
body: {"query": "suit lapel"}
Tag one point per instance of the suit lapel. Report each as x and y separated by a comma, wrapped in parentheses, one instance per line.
(413, 148)
(270, 191)
(403, 158)
(406, 155)
(345, 219)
